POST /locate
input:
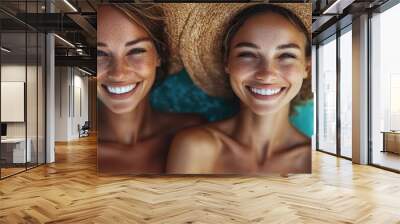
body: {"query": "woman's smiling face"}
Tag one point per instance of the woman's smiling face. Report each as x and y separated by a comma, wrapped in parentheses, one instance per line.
(267, 62)
(126, 61)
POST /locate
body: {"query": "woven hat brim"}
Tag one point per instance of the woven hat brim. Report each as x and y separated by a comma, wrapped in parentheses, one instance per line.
(201, 42)
(176, 17)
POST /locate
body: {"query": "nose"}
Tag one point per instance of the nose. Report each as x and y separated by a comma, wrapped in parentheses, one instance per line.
(118, 71)
(266, 71)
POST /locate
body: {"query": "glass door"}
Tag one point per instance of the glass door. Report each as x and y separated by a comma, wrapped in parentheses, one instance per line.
(326, 90)
(22, 77)
(13, 103)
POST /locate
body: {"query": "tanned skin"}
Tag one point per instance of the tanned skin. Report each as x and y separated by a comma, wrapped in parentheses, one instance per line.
(133, 138)
(266, 65)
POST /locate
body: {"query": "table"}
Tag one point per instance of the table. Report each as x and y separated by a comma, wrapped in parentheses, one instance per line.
(13, 150)
(391, 141)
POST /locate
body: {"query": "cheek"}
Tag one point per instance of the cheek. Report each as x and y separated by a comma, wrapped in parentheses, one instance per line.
(240, 70)
(102, 64)
(101, 77)
(295, 78)
(293, 73)
(145, 66)
(101, 94)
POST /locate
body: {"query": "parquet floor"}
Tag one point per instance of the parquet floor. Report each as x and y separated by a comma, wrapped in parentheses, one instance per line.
(387, 159)
(10, 171)
(70, 191)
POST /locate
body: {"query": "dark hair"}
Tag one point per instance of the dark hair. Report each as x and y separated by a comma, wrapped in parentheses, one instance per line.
(151, 18)
(240, 18)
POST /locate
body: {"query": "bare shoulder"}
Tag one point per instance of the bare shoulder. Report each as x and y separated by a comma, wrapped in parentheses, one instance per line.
(303, 150)
(301, 158)
(294, 159)
(301, 138)
(193, 151)
(302, 146)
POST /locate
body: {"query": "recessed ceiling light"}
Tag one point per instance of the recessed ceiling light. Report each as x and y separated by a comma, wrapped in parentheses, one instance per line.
(64, 40)
(86, 72)
(5, 49)
(70, 5)
(337, 7)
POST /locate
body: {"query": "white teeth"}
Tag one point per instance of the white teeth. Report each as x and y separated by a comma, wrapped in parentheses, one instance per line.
(265, 92)
(121, 89)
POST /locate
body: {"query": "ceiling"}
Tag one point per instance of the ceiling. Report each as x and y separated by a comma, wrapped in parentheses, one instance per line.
(330, 15)
(75, 22)
(72, 20)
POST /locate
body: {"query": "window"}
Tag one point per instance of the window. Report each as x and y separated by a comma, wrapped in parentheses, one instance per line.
(346, 74)
(327, 96)
(385, 89)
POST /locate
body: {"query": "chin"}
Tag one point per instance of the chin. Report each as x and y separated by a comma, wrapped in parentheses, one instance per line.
(120, 109)
(263, 110)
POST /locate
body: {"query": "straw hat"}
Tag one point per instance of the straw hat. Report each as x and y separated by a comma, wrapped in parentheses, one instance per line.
(176, 17)
(202, 38)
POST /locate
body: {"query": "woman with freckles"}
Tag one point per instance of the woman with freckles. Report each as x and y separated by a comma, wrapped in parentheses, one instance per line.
(131, 56)
(267, 57)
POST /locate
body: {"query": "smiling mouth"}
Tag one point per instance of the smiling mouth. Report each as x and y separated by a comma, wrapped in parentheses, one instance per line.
(120, 92)
(265, 91)
(121, 89)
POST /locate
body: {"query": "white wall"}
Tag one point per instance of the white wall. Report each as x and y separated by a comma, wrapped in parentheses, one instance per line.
(61, 103)
(71, 94)
(80, 112)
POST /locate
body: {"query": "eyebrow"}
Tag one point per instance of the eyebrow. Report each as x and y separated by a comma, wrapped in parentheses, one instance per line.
(133, 42)
(246, 44)
(291, 45)
(280, 47)
(129, 43)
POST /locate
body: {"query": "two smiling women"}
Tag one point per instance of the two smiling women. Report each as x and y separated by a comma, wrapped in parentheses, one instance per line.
(259, 52)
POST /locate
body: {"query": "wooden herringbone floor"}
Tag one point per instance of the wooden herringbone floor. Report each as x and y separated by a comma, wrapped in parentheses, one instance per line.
(70, 191)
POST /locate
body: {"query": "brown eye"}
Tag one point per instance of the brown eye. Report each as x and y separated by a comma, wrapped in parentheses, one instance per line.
(287, 56)
(136, 51)
(101, 53)
(247, 55)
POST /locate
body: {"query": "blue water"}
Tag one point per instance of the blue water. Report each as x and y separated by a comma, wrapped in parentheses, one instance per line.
(177, 93)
